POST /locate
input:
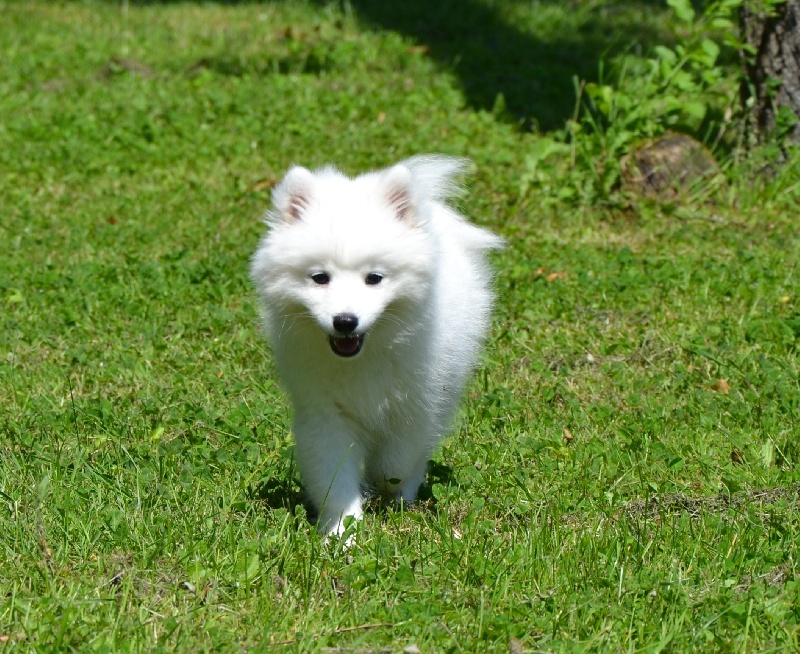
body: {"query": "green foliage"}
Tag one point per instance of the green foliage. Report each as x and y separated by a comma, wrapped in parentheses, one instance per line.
(684, 87)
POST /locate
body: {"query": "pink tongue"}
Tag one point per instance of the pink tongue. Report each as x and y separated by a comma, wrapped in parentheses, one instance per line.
(346, 344)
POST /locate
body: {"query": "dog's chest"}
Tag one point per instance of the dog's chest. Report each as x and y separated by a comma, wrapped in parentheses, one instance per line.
(380, 410)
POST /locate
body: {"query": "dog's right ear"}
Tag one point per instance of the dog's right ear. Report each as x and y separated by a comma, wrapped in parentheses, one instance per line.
(293, 196)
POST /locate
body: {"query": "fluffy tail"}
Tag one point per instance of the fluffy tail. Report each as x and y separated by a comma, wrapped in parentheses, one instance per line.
(437, 173)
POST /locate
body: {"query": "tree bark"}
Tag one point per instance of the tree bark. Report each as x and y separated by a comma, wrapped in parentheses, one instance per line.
(771, 90)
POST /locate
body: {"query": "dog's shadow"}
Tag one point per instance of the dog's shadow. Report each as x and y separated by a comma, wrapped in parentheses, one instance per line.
(438, 473)
(282, 492)
(285, 492)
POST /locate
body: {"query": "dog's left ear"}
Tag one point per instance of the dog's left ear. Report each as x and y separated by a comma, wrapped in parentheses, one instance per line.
(396, 187)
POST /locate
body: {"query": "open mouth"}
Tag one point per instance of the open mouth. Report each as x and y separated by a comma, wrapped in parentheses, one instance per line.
(347, 346)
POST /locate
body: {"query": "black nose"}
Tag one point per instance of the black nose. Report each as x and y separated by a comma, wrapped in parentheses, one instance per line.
(345, 323)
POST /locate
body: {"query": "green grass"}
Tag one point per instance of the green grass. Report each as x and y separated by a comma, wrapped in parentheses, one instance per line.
(602, 490)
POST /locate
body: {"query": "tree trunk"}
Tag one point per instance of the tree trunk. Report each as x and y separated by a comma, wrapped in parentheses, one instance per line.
(771, 90)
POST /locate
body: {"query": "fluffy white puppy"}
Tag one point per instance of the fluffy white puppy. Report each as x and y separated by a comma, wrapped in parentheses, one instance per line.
(376, 297)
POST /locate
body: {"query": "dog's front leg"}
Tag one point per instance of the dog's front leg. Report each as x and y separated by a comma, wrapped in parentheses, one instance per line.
(397, 468)
(330, 459)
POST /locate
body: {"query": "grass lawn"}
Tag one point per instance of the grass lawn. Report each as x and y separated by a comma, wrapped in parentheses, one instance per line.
(624, 473)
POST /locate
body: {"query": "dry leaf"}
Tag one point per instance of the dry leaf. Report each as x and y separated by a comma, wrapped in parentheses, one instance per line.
(263, 184)
(555, 275)
(568, 435)
(721, 386)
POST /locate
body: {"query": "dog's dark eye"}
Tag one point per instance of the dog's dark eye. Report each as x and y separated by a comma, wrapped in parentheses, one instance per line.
(373, 278)
(321, 278)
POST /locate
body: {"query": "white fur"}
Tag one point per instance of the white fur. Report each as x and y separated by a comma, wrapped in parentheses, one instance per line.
(377, 416)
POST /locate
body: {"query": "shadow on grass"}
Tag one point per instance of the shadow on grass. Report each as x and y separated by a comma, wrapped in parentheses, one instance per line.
(285, 493)
(437, 473)
(500, 66)
(279, 493)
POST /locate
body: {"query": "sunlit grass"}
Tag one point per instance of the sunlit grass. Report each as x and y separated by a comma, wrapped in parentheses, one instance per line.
(623, 475)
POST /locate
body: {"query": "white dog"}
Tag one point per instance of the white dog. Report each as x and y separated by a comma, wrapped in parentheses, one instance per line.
(376, 297)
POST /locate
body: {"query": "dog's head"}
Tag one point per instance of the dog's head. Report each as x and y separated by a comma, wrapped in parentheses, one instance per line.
(352, 254)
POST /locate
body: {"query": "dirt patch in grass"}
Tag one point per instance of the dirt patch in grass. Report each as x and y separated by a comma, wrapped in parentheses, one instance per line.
(658, 506)
(120, 65)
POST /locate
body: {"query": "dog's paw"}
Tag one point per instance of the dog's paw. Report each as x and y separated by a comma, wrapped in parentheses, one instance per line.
(343, 533)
